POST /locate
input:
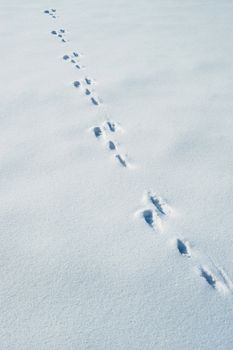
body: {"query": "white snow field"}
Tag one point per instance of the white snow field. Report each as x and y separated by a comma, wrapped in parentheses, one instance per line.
(116, 142)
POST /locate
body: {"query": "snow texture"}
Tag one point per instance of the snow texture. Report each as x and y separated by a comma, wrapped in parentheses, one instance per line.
(116, 175)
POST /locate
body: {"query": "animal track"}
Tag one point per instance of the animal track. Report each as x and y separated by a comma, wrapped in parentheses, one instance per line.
(157, 212)
(52, 13)
(157, 209)
(97, 131)
(88, 81)
(111, 145)
(159, 204)
(183, 247)
(148, 217)
(72, 60)
(121, 160)
(111, 126)
(217, 280)
(76, 84)
(59, 35)
(94, 101)
(210, 279)
(152, 219)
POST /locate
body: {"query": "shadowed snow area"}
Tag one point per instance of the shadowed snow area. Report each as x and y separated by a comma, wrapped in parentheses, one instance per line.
(116, 178)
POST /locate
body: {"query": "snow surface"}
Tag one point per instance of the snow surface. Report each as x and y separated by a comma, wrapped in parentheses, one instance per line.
(95, 254)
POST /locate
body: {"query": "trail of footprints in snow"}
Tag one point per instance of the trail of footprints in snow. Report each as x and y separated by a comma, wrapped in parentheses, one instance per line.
(157, 210)
(154, 214)
(109, 127)
(74, 59)
(86, 84)
(104, 133)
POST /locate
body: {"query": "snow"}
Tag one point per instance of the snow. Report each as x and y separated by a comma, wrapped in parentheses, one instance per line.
(81, 266)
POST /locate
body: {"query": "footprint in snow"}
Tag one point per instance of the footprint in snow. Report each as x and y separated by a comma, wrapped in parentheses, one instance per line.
(111, 145)
(208, 276)
(111, 126)
(76, 84)
(66, 57)
(148, 217)
(151, 218)
(47, 12)
(62, 31)
(97, 131)
(155, 213)
(160, 205)
(88, 81)
(183, 247)
(218, 280)
(72, 58)
(87, 92)
(94, 101)
(54, 32)
(121, 160)
(52, 13)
